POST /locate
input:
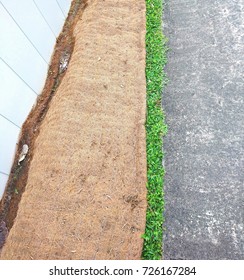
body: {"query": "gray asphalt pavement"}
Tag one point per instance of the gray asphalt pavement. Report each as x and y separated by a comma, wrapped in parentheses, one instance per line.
(204, 185)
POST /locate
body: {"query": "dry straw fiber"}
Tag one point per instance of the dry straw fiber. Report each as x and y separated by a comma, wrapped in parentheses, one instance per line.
(85, 196)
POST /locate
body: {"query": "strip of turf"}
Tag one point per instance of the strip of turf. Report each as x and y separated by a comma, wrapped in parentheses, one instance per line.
(155, 128)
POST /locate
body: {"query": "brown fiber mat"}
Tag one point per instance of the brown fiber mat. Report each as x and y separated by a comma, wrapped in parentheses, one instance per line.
(85, 196)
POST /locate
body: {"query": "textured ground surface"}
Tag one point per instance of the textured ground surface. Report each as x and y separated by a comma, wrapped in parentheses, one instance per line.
(85, 196)
(204, 146)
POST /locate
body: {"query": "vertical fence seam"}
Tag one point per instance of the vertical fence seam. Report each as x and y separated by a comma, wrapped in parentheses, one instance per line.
(24, 33)
(18, 75)
(3, 173)
(9, 120)
(44, 18)
(60, 9)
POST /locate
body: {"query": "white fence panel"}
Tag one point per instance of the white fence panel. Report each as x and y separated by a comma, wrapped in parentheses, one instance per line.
(19, 53)
(30, 21)
(9, 134)
(28, 31)
(64, 5)
(16, 97)
(3, 182)
(52, 14)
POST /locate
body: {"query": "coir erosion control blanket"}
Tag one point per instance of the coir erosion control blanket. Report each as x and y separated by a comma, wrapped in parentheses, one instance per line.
(85, 196)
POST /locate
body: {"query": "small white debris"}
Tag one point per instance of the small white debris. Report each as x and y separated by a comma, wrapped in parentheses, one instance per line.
(23, 153)
(64, 61)
(99, 58)
(122, 86)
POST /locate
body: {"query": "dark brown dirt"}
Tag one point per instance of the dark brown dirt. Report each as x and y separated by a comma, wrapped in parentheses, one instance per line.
(3, 233)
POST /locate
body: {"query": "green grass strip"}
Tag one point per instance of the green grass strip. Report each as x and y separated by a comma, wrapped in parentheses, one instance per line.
(155, 129)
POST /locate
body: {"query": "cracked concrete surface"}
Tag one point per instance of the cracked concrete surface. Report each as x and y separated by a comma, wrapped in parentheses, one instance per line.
(204, 148)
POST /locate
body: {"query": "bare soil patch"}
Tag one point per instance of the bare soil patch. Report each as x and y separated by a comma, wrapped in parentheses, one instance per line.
(82, 188)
